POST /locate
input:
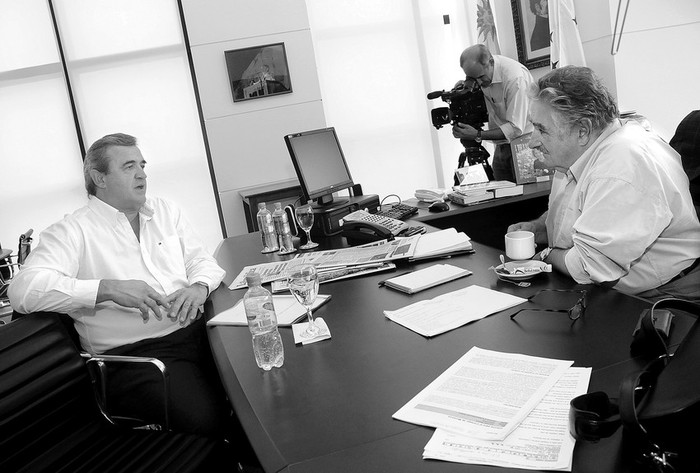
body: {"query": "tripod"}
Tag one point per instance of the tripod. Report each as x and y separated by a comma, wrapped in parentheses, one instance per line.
(473, 154)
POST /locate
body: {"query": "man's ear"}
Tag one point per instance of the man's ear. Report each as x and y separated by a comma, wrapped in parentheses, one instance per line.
(584, 131)
(98, 178)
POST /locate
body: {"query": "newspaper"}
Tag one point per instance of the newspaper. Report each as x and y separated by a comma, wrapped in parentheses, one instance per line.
(370, 255)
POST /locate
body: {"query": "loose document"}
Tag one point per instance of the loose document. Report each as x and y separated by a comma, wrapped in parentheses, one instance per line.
(454, 309)
(287, 309)
(485, 394)
(541, 442)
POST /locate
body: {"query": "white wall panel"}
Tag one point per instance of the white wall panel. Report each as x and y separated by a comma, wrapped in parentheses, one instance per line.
(246, 138)
(213, 21)
(214, 85)
(250, 149)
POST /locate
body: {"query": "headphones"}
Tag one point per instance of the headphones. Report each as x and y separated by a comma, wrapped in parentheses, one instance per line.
(594, 416)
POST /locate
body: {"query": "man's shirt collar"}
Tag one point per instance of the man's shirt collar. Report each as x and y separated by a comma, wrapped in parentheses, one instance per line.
(111, 214)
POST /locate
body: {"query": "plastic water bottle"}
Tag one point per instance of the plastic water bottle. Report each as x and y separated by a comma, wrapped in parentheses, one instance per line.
(262, 322)
(267, 229)
(284, 233)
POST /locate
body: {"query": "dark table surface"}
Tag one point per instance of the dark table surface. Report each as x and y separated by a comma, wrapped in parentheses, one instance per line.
(329, 408)
(487, 221)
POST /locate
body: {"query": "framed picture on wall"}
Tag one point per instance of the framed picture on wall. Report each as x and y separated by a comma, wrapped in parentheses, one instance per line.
(528, 164)
(531, 21)
(258, 71)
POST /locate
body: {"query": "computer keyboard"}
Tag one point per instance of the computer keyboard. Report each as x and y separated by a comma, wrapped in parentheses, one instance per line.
(399, 211)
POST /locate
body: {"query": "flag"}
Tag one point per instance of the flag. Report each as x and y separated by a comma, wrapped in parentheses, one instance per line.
(486, 27)
(566, 47)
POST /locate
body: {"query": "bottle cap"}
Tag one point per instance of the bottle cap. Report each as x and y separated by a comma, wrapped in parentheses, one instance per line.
(278, 205)
(261, 205)
(253, 279)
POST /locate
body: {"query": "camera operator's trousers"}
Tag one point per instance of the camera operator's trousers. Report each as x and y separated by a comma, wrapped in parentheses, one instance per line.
(503, 163)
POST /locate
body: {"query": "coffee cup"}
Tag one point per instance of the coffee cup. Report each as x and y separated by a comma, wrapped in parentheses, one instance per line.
(520, 245)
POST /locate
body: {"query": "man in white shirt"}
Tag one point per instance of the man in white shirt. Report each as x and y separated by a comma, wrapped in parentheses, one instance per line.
(132, 274)
(620, 211)
(505, 83)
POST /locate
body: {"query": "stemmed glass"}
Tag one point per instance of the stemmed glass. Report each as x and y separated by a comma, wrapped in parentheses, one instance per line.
(303, 283)
(305, 217)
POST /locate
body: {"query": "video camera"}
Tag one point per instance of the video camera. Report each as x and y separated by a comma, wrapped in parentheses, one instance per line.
(466, 105)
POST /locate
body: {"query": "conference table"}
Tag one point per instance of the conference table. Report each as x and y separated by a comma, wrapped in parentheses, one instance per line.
(329, 408)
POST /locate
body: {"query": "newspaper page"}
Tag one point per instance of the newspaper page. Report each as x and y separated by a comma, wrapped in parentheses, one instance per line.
(485, 394)
(373, 254)
(541, 442)
(400, 248)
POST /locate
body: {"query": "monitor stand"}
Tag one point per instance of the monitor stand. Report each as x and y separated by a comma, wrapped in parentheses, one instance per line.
(329, 201)
(327, 217)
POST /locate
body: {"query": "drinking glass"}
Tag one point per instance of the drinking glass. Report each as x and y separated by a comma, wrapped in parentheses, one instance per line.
(305, 217)
(303, 284)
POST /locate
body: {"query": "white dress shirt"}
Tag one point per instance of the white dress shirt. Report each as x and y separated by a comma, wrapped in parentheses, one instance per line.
(625, 212)
(97, 242)
(506, 98)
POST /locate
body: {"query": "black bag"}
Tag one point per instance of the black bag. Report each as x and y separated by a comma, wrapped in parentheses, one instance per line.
(658, 407)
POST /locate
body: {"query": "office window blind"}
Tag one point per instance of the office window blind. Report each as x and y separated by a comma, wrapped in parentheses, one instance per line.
(372, 87)
(377, 61)
(37, 135)
(129, 73)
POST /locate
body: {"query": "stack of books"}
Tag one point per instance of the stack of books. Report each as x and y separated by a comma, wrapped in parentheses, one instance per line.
(479, 191)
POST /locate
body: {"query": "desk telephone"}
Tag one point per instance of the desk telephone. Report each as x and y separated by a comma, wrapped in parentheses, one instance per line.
(364, 226)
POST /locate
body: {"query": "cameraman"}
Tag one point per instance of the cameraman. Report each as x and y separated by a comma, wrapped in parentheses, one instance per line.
(505, 83)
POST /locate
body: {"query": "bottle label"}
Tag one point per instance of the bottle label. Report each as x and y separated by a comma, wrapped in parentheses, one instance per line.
(263, 312)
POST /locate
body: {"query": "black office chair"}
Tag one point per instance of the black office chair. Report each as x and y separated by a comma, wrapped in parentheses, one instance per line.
(50, 420)
(10, 264)
(686, 141)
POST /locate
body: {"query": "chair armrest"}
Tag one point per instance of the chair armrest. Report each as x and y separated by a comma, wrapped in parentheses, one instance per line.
(102, 360)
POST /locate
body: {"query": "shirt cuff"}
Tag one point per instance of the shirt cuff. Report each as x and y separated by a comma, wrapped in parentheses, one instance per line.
(85, 292)
(574, 264)
(509, 131)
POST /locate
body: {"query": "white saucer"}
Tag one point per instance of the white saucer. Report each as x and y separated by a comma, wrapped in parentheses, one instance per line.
(522, 270)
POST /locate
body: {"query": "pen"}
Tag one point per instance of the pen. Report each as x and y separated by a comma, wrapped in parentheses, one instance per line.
(382, 283)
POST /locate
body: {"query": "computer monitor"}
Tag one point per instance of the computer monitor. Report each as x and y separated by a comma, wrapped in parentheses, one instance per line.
(319, 163)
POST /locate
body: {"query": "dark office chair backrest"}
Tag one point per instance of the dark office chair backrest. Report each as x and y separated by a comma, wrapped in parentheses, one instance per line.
(50, 420)
(42, 378)
(686, 141)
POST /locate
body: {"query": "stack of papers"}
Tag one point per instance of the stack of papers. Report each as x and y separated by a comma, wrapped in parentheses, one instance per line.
(502, 409)
(477, 191)
(508, 191)
(287, 308)
(441, 243)
(462, 199)
(452, 310)
(480, 187)
(425, 278)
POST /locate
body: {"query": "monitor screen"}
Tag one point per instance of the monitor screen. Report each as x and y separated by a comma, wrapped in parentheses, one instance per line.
(319, 163)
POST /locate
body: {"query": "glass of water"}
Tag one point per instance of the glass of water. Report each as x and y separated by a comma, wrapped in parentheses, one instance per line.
(305, 217)
(303, 284)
